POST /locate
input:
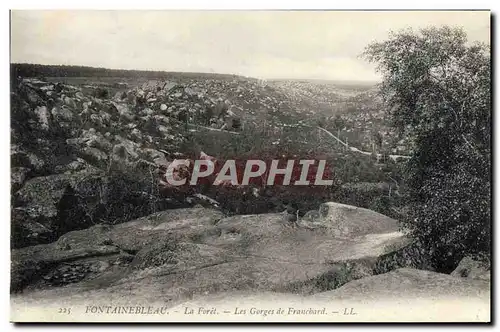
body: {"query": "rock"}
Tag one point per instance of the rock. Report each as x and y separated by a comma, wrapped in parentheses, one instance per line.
(70, 102)
(33, 97)
(470, 268)
(106, 118)
(404, 295)
(50, 207)
(62, 114)
(30, 264)
(187, 251)
(47, 87)
(95, 153)
(136, 133)
(91, 139)
(31, 227)
(20, 158)
(119, 96)
(125, 151)
(124, 112)
(17, 177)
(24, 271)
(409, 283)
(73, 166)
(348, 220)
(164, 129)
(44, 118)
(207, 200)
(311, 216)
(154, 155)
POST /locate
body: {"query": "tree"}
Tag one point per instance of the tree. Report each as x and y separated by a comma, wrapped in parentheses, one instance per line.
(338, 123)
(437, 88)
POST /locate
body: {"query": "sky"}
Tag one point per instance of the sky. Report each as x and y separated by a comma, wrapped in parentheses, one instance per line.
(261, 44)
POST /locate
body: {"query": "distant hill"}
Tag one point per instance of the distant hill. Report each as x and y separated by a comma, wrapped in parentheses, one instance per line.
(37, 70)
(338, 83)
(272, 101)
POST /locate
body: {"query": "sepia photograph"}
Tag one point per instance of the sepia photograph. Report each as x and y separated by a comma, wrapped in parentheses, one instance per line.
(329, 166)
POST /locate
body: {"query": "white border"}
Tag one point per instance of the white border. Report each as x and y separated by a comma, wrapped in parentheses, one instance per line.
(181, 4)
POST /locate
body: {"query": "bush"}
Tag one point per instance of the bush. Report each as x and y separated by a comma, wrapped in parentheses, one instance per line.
(101, 93)
(382, 204)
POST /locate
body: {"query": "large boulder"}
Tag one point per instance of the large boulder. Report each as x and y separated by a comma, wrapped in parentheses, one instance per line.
(104, 244)
(347, 220)
(408, 283)
(93, 144)
(125, 149)
(95, 154)
(49, 206)
(62, 114)
(125, 115)
(32, 226)
(44, 117)
(178, 253)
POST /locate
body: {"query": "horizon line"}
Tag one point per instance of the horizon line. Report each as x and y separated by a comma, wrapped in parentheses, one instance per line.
(199, 72)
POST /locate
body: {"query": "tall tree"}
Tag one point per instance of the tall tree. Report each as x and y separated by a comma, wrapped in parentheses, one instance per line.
(436, 87)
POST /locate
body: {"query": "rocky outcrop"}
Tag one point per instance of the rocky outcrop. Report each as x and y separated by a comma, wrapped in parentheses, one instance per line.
(346, 220)
(410, 283)
(403, 295)
(49, 206)
(183, 252)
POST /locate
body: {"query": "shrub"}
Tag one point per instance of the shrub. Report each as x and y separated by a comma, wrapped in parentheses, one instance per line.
(101, 93)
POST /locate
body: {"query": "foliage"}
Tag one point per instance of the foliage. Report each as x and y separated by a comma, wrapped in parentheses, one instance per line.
(37, 70)
(437, 89)
(412, 255)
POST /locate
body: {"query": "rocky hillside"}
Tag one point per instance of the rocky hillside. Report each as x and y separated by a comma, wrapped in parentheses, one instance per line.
(86, 153)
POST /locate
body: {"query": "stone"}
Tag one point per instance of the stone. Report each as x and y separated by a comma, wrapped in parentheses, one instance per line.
(123, 151)
(346, 220)
(186, 251)
(20, 158)
(44, 117)
(70, 102)
(95, 153)
(62, 114)
(49, 206)
(17, 177)
(407, 283)
(470, 268)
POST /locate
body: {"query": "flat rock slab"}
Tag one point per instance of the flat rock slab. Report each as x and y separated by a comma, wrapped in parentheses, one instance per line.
(348, 220)
(406, 283)
(182, 253)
